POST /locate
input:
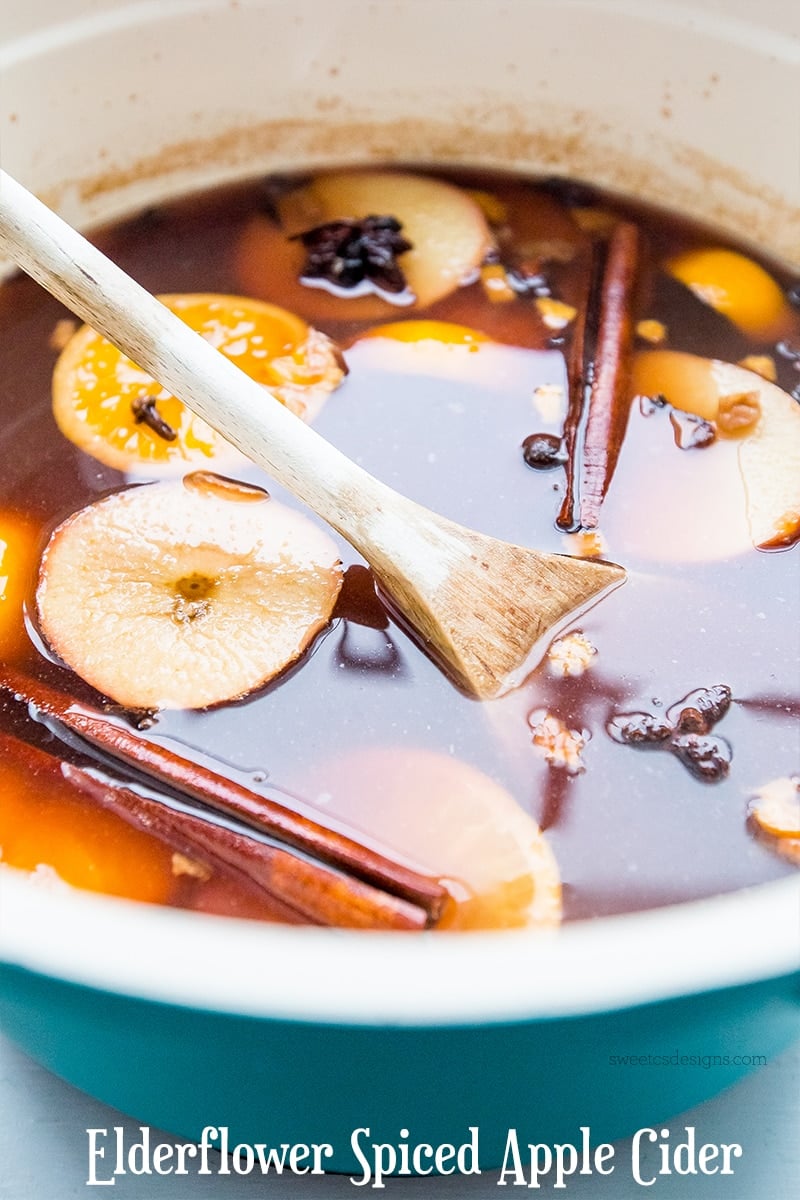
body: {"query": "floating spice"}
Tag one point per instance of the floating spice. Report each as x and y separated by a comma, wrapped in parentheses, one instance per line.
(495, 283)
(738, 414)
(707, 757)
(639, 729)
(571, 655)
(775, 807)
(561, 746)
(586, 544)
(600, 363)
(684, 731)
(349, 254)
(555, 313)
(690, 431)
(146, 413)
(712, 703)
(652, 331)
(543, 451)
(334, 871)
(62, 332)
(761, 364)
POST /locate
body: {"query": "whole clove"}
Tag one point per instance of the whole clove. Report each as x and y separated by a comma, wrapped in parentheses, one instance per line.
(543, 451)
(686, 734)
(639, 729)
(707, 757)
(691, 720)
(146, 413)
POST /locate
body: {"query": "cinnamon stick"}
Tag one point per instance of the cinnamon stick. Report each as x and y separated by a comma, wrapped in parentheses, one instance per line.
(227, 797)
(581, 366)
(610, 397)
(600, 396)
(313, 890)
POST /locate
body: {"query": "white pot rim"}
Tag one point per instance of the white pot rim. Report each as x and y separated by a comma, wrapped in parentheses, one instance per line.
(269, 972)
(409, 980)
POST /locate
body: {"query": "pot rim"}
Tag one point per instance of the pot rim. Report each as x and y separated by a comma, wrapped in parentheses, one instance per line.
(333, 976)
(376, 979)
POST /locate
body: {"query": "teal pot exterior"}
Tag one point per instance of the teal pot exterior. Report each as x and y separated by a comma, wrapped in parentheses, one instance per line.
(295, 1036)
(277, 1080)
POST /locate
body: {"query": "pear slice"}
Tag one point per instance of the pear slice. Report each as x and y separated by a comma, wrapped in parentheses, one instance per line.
(767, 439)
(185, 594)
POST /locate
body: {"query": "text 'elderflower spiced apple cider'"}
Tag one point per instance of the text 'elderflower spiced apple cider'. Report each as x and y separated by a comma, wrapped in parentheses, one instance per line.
(204, 701)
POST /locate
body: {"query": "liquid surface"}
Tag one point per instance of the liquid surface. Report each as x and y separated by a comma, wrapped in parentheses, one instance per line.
(632, 828)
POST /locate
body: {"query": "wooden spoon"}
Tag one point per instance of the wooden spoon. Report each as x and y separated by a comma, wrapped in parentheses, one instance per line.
(480, 607)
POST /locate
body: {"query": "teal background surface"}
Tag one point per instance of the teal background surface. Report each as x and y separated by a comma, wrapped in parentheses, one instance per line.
(180, 1069)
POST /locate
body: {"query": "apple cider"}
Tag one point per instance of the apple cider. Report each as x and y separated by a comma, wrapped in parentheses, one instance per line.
(204, 699)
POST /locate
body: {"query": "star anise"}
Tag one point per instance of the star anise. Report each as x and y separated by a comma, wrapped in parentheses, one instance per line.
(347, 254)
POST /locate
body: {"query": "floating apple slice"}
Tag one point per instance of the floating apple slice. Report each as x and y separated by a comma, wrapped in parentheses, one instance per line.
(755, 417)
(446, 227)
(185, 594)
(770, 463)
(444, 224)
(685, 380)
(451, 820)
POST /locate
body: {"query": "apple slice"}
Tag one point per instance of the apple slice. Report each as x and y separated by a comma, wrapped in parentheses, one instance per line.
(770, 465)
(763, 418)
(185, 594)
(446, 227)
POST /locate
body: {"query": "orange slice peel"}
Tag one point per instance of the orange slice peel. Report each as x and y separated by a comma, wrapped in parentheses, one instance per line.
(101, 398)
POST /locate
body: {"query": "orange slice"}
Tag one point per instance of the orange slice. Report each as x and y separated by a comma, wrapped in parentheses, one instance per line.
(444, 350)
(97, 390)
(18, 557)
(445, 333)
(185, 594)
(735, 286)
(46, 827)
(452, 821)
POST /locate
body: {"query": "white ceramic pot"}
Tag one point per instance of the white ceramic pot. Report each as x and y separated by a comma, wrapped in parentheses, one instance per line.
(289, 1034)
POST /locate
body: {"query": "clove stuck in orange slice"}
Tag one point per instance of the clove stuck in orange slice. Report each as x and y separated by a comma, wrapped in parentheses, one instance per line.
(116, 412)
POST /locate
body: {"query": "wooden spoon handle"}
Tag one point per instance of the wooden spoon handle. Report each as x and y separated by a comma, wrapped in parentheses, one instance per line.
(243, 411)
(479, 606)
